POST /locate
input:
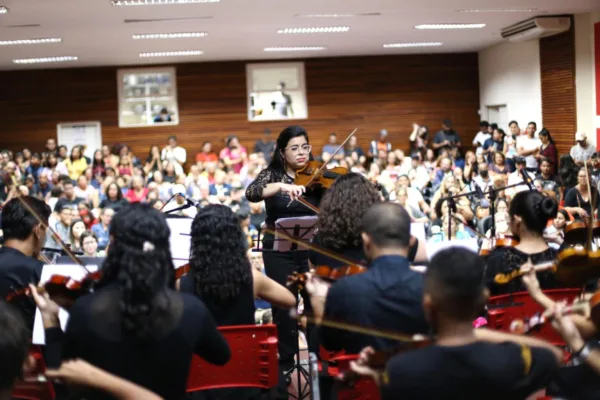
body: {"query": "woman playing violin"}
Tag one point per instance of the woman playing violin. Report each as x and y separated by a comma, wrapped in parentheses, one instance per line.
(275, 185)
(529, 213)
(135, 325)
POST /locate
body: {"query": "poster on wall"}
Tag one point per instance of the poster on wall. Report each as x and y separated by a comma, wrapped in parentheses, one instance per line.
(276, 91)
(147, 97)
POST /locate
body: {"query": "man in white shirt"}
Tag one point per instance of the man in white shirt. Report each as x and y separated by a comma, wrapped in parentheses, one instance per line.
(516, 177)
(481, 136)
(174, 154)
(582, 151)
(528, 145)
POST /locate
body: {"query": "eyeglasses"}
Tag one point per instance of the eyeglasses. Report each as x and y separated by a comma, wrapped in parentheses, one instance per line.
(296, 149)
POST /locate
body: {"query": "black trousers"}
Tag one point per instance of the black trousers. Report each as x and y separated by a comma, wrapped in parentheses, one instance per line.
(279, 266)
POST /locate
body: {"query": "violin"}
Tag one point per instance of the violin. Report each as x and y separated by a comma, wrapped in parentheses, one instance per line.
(503, 279)
(524, 327)
(324, 272)
(314, 176)
(506, 241)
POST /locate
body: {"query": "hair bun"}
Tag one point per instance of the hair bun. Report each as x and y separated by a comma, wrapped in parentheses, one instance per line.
(548, 207)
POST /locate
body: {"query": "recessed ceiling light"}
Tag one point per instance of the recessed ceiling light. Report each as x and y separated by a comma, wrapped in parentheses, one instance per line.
(158, 2)
(45, 60)
(421, 44)
(323, 29)
(450, 26)
(182, 35)
(3, 10)
(336, 15)
(493, 10)
(30, 41)
(305, 48)
(172, 53)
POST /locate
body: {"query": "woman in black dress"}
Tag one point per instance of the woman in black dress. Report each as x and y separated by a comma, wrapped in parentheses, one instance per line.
(135, 325)
(275, 185)
(529, 214)
(222, 277)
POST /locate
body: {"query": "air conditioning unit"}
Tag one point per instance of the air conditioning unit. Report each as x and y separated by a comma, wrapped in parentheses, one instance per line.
(536, 28)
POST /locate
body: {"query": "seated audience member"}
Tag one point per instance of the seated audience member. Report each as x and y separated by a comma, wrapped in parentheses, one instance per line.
(89, 244)
(114, 198)
(137, 193)
(135, 325)
(61, 227)
(463, 363)
(24, 237)
(68, 197)
(102, 228)
(387, 297)
(582, 151)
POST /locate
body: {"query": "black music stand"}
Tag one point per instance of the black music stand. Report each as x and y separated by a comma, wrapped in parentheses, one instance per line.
(299, 228)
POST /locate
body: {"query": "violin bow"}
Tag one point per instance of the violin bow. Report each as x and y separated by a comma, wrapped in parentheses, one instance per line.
(55, 235)
(310, 246)
(324, 165)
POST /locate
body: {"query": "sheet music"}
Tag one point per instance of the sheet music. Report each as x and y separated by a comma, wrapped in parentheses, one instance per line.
(180, 240)
(306, 226)
(71, 270)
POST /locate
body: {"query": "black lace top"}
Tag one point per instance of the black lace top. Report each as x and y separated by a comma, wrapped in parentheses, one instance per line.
(507, 259)
(277, 206)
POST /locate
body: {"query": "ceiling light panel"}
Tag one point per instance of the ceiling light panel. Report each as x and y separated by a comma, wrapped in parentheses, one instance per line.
(323, 29)
(126, 3)
(450, 26)
(405, 45)
(29, 41)
(172, 53)
(336, 15)
(304, 48)
(45, 60)
(3, 10)
(500, 10)
(181, 35)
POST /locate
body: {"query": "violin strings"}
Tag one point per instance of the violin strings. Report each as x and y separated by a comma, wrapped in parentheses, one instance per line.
(309, 246)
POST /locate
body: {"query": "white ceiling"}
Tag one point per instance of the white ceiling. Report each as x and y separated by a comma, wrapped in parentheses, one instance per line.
(95, 31)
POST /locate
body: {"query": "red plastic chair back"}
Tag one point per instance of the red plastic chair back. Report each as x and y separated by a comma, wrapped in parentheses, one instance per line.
(364, 389)
(34, 390)
(253, 361)
(525, 307)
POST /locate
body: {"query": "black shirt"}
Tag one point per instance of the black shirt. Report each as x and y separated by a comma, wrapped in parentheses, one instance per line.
(387, 297)
(17, 271)
(64, 202)
(277, 206)
(471, 372)
(573, 199)
(94, 333)
(240, 311)
(114, 204)
(506, 259)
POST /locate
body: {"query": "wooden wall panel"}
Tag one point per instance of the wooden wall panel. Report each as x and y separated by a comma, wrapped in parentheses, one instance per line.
(370, 93)
(557, 60)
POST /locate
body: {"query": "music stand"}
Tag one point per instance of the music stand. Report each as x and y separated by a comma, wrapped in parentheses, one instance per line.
(299, 228)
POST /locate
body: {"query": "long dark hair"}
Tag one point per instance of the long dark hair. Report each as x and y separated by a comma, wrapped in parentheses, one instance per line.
(139, 263)
(546, 132)
(218, 258)
(534, 208)
(278, 162)
(349, 198)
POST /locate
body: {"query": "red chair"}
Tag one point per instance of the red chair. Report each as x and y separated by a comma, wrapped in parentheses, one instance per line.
(31, 390)
(253, 361)
(522, 308)
(363, 389)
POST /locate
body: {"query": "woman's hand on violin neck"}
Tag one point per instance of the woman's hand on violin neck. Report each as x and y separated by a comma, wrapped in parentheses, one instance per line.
(294, 191)
(48, 308)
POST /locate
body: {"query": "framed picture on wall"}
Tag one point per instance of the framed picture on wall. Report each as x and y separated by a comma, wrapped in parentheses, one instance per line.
(147, 97)
(276, 91)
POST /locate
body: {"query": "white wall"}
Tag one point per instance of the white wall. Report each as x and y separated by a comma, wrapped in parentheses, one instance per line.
(509, 73)
(585, 75)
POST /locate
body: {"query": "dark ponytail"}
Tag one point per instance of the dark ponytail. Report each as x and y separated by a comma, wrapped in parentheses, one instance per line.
(534, 208)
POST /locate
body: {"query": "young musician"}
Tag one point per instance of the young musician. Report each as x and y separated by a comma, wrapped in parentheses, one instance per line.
(529, 213)
(135, 325)
(24, 237)
(386, 297)
(275, 185)
(464, 363)
(339, 223)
